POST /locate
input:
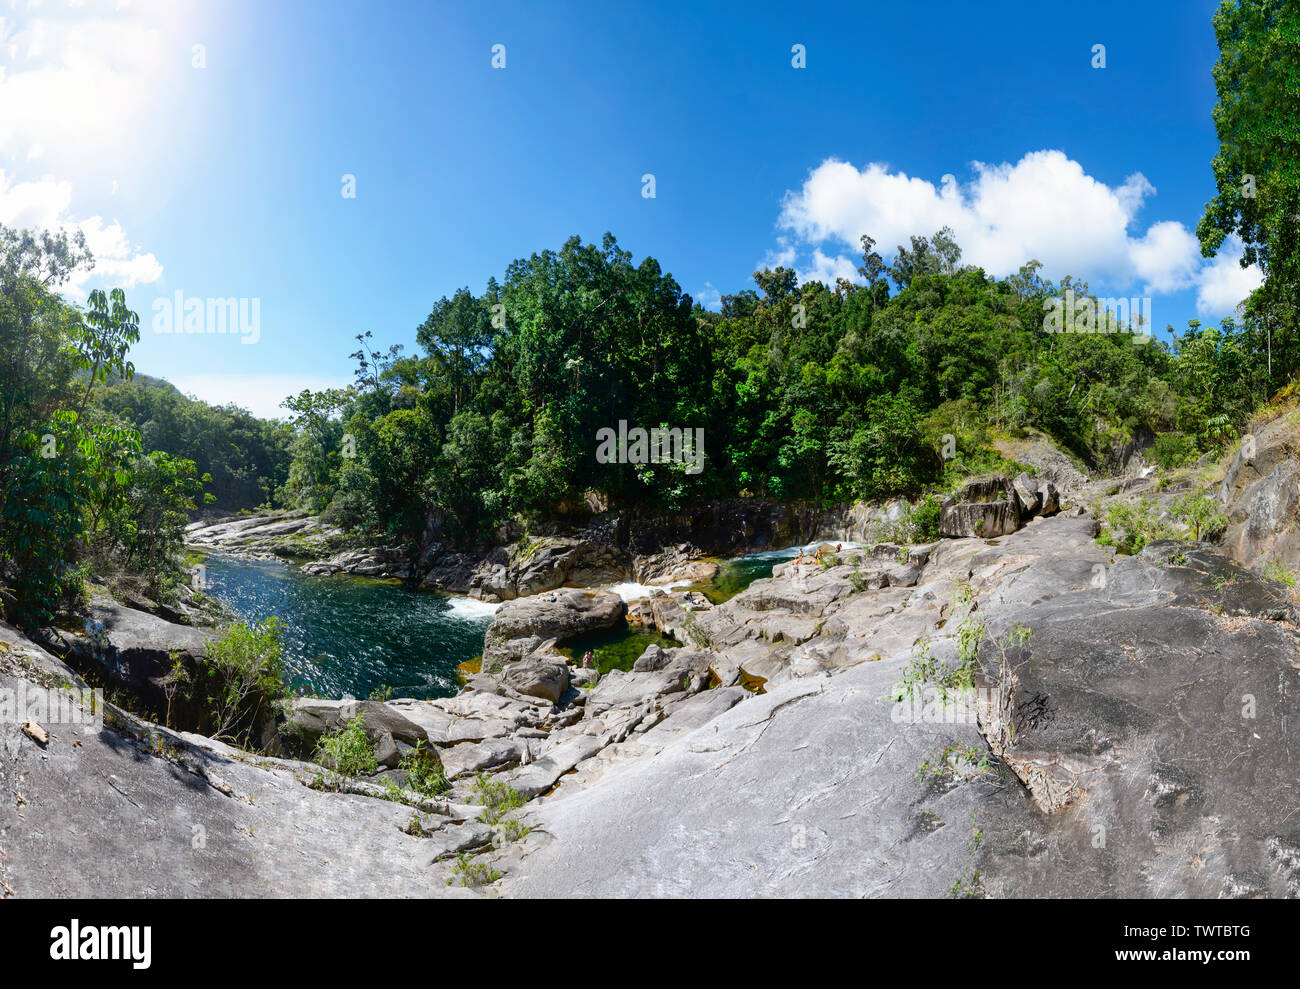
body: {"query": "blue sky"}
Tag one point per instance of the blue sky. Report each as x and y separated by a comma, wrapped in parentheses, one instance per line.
(225, 180)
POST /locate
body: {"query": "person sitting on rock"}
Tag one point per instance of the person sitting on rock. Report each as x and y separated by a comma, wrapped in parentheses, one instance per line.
(586, 660)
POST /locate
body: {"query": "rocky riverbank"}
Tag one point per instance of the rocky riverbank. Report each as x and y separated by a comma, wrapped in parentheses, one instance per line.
(599, 550)
(1026, 713)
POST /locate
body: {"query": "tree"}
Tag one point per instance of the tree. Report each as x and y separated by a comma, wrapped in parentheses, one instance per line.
(317, 449)
(1257, 168)
(873, 266)
(165, 491)
(54, 462)
(1199, 512)
(456, 335)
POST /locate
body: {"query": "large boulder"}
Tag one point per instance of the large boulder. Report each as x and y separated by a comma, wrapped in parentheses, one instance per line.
(527, 568)
(1027, 494)
(1150, 755)
(309, 718)
(113, 806)
(983, 508)
(543, 570)
(653, 659)
(619, 689)
(521, 626)
(1260, 493)
(132, 649)
(538, 676)
(273, 536)
(374, 562)
(1049, 498)
(1148, 720)
(981, 520)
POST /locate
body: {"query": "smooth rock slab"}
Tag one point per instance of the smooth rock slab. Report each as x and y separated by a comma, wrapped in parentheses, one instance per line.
(520, 626)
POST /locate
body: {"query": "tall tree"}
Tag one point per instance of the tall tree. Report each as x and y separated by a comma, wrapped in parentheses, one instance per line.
(1257, 169)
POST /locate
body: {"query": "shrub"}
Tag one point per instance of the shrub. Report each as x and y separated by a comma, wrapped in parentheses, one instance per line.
(471, 873)
(498, 799)
(1277, 571)
(424, 772)
(1138, 523)
(1201, 513)
(924, 668)
(236, 684)
(347, 751)
(1173, 450)
(925, 518)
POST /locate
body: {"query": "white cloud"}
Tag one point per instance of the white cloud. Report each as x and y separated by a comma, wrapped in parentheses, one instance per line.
(1224, 284)
(1168, 258)
(1044, 206)
(78, 77)
(118, 262)
(38, 204)
(827, 269)
(44, 204)
(260, 394)
(77, 80)
(709, 297)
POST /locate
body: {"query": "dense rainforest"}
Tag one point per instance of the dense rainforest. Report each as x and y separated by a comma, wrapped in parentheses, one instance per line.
(890, 385)
(802, 391)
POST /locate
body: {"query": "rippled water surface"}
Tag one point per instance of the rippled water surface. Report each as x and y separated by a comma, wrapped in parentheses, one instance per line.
(351, 635)
(736, 574)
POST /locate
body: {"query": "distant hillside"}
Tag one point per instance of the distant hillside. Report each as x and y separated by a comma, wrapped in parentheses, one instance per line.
(247, 457)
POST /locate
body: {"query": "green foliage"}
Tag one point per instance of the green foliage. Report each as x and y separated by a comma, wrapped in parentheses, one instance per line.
(804, 391)
(1200, 513)
(1278, 571)
(925, 518)
(423, 771)
(247, 457)
(926, 669)
(316, 450)
(469, 872)
(142, 528)
(237, 683)
(42, 523)
(944, 762)
(696, 631)
(1258, 183)
(969, 887)
(60, 469)
(498, 799)
(347, 751)
(1174, 449)
(856, 578)
(1131, 525)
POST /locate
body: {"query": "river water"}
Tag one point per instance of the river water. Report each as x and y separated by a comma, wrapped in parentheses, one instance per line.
(353, 635)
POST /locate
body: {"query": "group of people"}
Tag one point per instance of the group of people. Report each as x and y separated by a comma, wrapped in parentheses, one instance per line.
(817, 556)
